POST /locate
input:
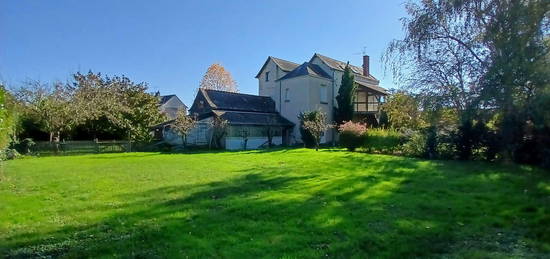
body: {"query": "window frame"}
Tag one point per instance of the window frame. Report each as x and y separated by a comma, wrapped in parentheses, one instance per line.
(366, 103)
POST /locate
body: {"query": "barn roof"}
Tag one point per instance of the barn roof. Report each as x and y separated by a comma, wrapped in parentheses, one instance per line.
(254, 118)
(221, 100)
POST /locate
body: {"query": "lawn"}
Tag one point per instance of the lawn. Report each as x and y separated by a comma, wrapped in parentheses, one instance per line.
(293, 203)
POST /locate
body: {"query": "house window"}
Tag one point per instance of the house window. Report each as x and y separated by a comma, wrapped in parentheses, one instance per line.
(323, 94)
(286, 95)
(365, 102)
(267, 76)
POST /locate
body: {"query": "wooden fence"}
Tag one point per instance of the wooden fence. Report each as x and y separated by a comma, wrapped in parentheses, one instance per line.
(81, 147)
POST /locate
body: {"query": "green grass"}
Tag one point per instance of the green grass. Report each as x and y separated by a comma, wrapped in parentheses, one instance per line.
(293, 203)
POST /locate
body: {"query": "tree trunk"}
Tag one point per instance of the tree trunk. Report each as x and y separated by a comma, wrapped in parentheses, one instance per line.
(316, 145)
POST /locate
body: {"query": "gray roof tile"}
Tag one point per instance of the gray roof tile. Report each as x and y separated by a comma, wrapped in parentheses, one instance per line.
(284, 65)
(339, 65)
(221, 100)
(306, 69)
(165, 98)
(253, 118)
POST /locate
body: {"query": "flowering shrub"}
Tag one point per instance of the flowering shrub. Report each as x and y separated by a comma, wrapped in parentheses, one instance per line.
(352, 135)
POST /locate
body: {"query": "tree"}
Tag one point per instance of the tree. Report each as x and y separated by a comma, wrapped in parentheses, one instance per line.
(219, 130)
(115, 106)
(345, 97)
(477, 55)
(50, 106)
(6, 120)
(314, 122)
(518, 74)
(183, 124)
(10, 118)
(218, 78)
(403, 111)
(442, 52)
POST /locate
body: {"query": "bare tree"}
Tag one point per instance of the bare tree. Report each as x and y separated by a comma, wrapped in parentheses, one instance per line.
(218, 78)
(183, 124)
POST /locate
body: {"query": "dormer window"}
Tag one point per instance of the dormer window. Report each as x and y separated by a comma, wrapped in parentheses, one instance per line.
(267, 76)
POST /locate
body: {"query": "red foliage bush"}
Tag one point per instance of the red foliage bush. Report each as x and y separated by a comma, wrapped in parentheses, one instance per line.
(352, 135)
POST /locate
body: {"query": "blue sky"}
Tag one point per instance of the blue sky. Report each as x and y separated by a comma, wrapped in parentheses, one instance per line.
(170, 44)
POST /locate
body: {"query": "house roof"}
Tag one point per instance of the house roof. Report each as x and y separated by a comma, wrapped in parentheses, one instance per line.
(284, 65)
(242, 118)
(373, 87)
(306, 69)
(165, 98)
(253, 118)
(221, 100)
(339, 65)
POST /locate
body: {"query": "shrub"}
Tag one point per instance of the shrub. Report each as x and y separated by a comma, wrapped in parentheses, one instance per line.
(312, 126)
(352, 135)
(386, 141)
(415, 146)
(9, 154)
(26, 146)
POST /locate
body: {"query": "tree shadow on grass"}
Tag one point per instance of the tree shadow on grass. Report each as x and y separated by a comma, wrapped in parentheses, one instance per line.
(352, 206)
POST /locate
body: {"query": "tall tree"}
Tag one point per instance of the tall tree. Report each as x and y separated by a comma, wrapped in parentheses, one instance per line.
(442, 52)
(519, 70)
(183, 124)
(218, 78)
(476, 54)
(345, 97)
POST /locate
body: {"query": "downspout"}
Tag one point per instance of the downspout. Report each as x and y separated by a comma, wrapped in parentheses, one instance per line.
(280, 91)
(281, 105)
(332, 110)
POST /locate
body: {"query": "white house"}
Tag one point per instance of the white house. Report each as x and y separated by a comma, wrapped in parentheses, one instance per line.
(314, 85)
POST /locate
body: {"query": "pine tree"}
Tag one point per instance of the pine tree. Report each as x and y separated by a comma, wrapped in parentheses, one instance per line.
(345, 97)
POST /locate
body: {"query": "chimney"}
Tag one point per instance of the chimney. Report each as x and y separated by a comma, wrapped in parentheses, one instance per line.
(366, 64)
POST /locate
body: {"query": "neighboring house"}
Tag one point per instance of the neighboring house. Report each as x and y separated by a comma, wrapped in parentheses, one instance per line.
(250, 118)
(170, 104)
(314, 85)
